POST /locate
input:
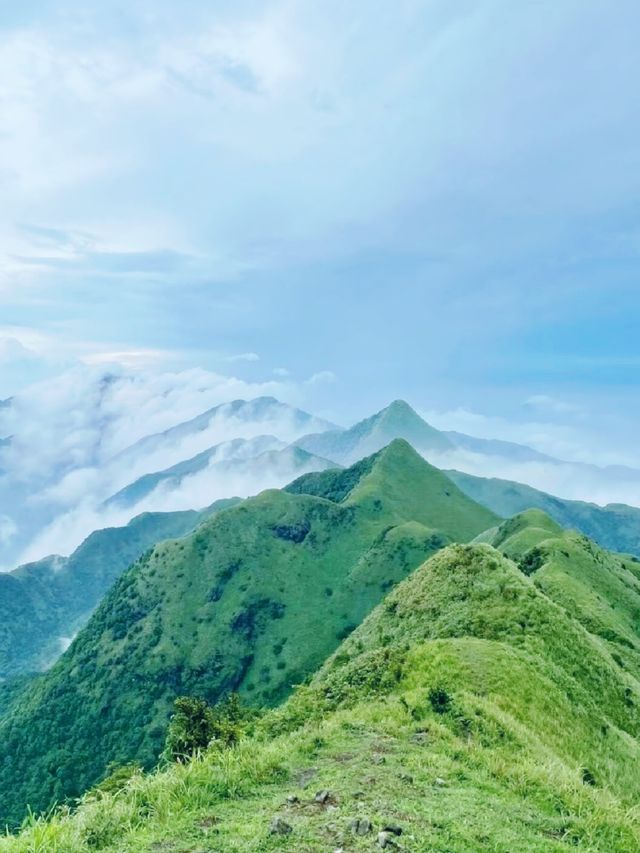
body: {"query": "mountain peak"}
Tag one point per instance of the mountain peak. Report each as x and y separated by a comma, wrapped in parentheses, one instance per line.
(399, 407)
(397, 420)
(398, 481)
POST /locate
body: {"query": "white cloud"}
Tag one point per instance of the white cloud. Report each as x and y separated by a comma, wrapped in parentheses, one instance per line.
(323, 377)
(21, 365)
(8, 529)
(134, 358)
(555, 439)
(74, 444)
(545, 403)
(243, 356)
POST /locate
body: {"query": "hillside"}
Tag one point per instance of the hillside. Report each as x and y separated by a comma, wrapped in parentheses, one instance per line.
(43, 604)
(600, 589)
(615, 526)
(469, 712)
(253, 601)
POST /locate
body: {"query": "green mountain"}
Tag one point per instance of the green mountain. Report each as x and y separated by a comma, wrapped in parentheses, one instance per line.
(254, 601)
(472, 710)
(615, 526)
(599, 589)
(398, 420)
(43, 604)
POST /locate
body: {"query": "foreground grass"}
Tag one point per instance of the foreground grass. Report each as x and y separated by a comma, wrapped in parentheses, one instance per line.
(452, 787)
(534, 747)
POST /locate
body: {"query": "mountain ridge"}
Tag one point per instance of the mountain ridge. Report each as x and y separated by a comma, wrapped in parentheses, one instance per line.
(469, 711)
(614, 526)
(253, 601)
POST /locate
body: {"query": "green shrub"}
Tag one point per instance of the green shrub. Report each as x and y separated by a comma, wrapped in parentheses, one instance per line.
(196, 725)
(440, 700)
(117, 777)
(190, 729)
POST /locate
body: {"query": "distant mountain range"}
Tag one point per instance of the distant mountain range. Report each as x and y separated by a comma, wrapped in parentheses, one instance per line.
(54, 508)
(240, 448)
(615, 526)
(245, 463)
(241, 466)
(245, 419)
(398, 420)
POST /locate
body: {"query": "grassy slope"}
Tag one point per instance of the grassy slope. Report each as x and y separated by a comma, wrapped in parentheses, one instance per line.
(536, 700)
(599, 588)
(253, 601)
(615, 526)
(40, 602)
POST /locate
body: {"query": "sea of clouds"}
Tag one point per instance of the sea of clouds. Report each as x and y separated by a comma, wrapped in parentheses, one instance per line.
(82, 435)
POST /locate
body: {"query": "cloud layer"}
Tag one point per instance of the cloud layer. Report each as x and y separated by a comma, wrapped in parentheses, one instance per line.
(80, 436)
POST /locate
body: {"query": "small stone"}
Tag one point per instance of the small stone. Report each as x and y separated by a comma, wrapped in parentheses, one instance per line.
(379, 759)
(420, 737)
(280, 827)
(392, 828)
(323, 797)
(292, 799)
(439, 781)
(407, 778)
(360, 826)
(358, 795)
(385, 840)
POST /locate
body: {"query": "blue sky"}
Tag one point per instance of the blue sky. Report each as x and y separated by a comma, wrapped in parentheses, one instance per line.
(419, 199)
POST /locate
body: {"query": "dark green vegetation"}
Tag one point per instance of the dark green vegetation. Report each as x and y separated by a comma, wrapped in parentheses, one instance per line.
(615, 526)
(42, 603)
(253, 601)
(196, 725)
(479, 707)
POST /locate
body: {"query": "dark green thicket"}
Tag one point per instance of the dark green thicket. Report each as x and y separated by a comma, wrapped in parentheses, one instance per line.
(196, 725)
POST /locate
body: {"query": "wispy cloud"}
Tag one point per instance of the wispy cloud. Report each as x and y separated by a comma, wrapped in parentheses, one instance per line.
(323, 377)
(243, 356)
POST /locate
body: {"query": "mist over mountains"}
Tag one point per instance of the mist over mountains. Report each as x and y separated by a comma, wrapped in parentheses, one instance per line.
(239, 549)
(91, 449)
